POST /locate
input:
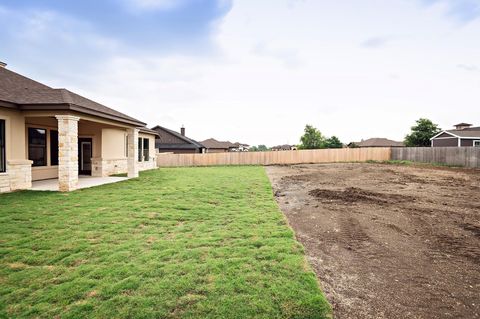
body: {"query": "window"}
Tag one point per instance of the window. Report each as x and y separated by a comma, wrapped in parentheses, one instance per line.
(146, 149)
(3, 161)
(37, 146)
(143, 149)
(140, 153)
(476, 143)
(53, 147)
(126, 145)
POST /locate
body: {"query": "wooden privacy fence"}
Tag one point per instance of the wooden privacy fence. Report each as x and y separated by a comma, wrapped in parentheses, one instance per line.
(459, 156)
(275, 157)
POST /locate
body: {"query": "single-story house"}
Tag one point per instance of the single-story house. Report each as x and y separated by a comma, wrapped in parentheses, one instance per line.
(240, 147)
(284, 147)
(376, 142)
(463, 135)
(169, 141)
(48, 133)
(214, 146)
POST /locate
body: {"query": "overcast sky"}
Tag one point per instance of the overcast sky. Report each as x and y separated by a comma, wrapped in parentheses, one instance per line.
(257, 71)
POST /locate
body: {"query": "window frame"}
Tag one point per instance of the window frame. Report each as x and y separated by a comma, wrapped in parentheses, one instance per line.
(45, 148)
(3, 146)
(476, 141)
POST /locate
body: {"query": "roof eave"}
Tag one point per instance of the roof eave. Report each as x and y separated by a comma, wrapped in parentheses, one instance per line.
(77, 108)
(445, 132)
(8, 104)
(146, 130)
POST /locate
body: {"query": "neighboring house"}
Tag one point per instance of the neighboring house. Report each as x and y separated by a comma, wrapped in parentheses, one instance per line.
(214, 146)
(48, 133)
(284, 147)
(240, 147)
(376, 142)
(463, 135)
(169, 141)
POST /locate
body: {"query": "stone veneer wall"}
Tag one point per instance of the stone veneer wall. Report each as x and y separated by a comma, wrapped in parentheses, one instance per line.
(4, 182)
(18, 176)
(151, 164)
(106, 167)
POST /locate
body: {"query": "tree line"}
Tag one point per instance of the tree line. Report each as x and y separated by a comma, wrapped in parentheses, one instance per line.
(419, 136)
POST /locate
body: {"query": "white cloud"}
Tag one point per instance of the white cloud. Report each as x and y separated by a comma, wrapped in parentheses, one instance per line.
(249, 92)
(281, 65)
(154, 4)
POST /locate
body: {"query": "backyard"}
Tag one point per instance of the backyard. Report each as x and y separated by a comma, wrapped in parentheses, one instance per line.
(388, 241)
(180, 242)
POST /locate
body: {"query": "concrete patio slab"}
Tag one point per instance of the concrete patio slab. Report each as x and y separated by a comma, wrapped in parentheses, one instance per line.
(83, 182)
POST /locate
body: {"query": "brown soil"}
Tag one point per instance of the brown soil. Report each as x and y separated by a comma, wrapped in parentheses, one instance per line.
(388, 241)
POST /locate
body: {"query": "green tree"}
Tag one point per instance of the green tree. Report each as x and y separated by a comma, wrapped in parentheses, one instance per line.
(259, 148)
(421, 133)
(353, 145)
(333, 142)
(311, 139)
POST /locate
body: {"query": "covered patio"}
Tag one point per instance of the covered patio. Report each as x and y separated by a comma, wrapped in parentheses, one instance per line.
(83, 152)
(57, 135)
(83, 182)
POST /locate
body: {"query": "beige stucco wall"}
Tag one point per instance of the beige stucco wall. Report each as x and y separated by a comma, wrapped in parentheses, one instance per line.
(15, 133)
(114, 143)
(18, 172)
(94, 131)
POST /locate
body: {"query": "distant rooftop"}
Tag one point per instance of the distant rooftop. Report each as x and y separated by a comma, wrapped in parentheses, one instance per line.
(379, 142)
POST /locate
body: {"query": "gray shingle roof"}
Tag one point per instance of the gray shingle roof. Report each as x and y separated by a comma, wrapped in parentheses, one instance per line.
(27, 94)
(178, 135)
(468, 132)
(379, 142)
(213, 143)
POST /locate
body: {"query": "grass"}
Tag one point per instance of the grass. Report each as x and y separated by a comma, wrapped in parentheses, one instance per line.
(174, 243)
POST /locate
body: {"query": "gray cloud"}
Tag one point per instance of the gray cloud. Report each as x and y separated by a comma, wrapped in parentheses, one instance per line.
(376, 42)
(468, 67)
(287, 56)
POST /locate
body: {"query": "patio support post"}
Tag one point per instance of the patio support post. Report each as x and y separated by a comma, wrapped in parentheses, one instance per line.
(67, 152)
(132, 138)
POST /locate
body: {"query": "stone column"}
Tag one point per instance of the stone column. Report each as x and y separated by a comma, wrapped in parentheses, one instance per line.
(67, 152)
(132, 163)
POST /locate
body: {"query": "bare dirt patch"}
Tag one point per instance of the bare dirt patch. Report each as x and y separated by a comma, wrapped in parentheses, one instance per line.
(388, 241)
(354, 195)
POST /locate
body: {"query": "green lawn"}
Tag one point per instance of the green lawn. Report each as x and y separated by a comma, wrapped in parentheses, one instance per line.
(174, 243)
